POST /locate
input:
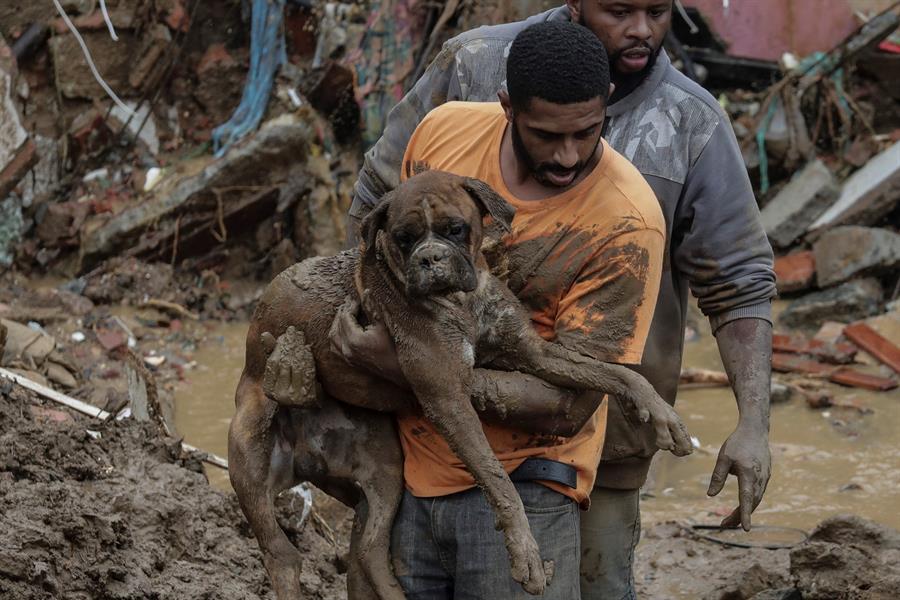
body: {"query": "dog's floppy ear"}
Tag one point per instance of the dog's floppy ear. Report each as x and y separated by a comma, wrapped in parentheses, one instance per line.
(490, 202)
(374, 221)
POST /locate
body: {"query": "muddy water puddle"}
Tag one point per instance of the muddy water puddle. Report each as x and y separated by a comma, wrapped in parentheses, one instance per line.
(824, 462)
(204, 401)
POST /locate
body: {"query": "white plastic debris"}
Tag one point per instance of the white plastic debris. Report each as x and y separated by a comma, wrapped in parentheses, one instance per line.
(77, 337)
(155, 361)
(695, 441)
(154, 176)
(94, 434)
(101, 173)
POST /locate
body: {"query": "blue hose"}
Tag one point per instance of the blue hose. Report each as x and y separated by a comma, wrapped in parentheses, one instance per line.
(267, 53)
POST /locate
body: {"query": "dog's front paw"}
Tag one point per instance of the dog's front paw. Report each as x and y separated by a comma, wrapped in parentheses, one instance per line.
(525, 562)
(671, 432)
(290, 376)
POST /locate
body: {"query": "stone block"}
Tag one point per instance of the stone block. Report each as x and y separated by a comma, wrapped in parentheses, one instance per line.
(807, 195)
(845, 303)
(846, 252)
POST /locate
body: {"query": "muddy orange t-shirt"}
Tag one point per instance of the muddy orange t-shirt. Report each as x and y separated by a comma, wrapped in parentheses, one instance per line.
(586, 263)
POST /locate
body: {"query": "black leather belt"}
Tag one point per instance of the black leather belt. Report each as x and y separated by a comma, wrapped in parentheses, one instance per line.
(546, 470)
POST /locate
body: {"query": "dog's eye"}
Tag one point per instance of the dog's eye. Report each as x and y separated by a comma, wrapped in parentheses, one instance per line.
(403, 239)
(456, 231)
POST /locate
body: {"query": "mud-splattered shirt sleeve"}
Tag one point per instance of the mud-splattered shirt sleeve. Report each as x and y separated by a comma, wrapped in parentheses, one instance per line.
(381, 168)
(606, 313)
(724, 251)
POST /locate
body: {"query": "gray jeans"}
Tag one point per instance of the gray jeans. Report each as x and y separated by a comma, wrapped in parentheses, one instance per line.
(448, 549)
(610, 531)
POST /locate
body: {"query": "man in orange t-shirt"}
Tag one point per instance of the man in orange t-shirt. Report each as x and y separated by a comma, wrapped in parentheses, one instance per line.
(584, 256)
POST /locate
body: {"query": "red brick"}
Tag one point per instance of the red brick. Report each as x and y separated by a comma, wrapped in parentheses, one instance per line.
(795, 272)
(869, 340)
(854, 378)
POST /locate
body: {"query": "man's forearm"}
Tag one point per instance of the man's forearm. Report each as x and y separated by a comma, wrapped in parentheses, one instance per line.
(746, 349)
(530, 403)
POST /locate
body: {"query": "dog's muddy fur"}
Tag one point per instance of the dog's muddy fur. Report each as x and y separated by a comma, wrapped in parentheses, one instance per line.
(420, 270)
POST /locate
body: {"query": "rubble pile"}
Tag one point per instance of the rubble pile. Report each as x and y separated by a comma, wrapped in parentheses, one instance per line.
(821, 140)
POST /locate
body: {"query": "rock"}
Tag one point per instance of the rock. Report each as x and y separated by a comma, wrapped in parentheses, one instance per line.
(25, 345)
(846, 303)
(790, 213)
(779, 393)
(845, 252)
(869, 194)
(60, 375)
(61, 222)
(113, 60)
(795, 272)
(845, 557)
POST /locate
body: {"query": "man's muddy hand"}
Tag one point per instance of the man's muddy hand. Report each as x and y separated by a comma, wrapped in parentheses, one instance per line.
(369, 348)
(290, 375)
(745, 455)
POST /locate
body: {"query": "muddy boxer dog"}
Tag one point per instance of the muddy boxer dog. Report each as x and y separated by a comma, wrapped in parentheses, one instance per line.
(420, 270)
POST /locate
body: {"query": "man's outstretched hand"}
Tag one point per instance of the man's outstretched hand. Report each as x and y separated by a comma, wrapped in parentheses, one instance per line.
(745, 455)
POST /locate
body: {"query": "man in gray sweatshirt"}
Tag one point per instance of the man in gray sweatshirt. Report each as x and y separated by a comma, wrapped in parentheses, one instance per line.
(678, 137)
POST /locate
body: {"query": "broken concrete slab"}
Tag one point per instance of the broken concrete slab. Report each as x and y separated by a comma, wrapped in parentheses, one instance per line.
(795, 272)
(808, 194)
(255, 174)
(113, 60)
(849, 302)
(868, 195)
(846, 252)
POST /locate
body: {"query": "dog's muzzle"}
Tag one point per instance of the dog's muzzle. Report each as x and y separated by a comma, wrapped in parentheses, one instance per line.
(437, 267)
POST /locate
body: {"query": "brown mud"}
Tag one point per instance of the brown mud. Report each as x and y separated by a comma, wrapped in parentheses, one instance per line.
(124, 514)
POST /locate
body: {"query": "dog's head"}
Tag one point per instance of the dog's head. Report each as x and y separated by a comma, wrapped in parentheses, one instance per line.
(429, 231)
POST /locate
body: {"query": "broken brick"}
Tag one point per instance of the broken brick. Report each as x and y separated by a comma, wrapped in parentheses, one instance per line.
(795, 272)
(855, 378)
(869, 340)
(833, 353)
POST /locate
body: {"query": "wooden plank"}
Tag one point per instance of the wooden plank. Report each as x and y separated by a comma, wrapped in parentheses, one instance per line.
(872, 342)
(73, 403)
(855, 378)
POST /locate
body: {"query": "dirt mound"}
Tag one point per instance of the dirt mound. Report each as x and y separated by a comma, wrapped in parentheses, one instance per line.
(124, 515)
(848, 557)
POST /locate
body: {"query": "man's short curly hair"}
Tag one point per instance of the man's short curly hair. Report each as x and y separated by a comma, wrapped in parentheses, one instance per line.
(556, 61)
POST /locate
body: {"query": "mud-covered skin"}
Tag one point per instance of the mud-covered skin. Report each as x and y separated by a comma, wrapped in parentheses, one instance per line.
(352, 452)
